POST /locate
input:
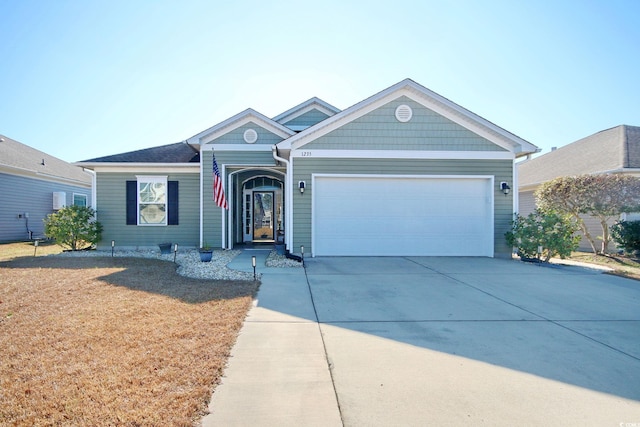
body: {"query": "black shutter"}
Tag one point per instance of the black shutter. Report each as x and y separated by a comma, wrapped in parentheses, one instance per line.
(132, 202)
(172, 205)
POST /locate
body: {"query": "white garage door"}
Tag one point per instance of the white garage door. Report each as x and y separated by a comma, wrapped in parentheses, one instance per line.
(391, 216)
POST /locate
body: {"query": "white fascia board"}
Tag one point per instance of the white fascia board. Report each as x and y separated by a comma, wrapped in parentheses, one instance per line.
(236, 147)
(427, 98)
(396, 176)
(238, 120)
(404, 154)
(298, 110)
(147, 168)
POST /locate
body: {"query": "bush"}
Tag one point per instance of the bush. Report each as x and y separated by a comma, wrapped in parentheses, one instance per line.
(74, 227)
(542, 236)
(627, 235)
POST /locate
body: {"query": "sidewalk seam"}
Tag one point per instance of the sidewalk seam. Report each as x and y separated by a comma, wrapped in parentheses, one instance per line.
(324, 345)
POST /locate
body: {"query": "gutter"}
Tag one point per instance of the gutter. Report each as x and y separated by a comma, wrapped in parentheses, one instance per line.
(288, 199)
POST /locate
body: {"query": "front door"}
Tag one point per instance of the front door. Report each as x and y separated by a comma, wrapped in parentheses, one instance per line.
(263, 216)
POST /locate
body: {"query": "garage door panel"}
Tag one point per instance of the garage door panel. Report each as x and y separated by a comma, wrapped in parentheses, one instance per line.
(402, 216)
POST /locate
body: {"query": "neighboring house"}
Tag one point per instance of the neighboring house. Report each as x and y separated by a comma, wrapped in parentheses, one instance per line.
(35, 184)
(615, 150)
(403, 172)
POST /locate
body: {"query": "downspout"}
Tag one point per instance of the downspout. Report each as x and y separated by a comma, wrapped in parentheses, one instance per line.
(288, 200)
(94, 197)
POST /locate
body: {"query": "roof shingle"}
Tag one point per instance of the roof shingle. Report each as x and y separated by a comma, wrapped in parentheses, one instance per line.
(606, 151)
(179, 152)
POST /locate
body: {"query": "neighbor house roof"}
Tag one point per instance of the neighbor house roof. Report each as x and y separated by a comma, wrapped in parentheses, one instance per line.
(179, 152)
(20, 159)
(611, 150)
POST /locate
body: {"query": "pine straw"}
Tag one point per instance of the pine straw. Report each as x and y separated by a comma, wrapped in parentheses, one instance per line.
(112, 341)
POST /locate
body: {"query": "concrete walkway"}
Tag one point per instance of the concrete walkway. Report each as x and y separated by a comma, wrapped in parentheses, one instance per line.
(434, 341)
(278, 373)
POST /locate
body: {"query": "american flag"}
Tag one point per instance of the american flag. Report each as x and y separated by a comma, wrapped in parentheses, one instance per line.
(218, 191)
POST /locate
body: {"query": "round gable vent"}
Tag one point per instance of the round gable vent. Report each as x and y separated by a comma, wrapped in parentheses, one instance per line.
(404, 113)
(250, 136)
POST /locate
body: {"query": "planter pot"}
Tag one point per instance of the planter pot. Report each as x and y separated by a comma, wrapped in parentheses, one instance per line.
(165, 248)
(279, 249)
(205, 256)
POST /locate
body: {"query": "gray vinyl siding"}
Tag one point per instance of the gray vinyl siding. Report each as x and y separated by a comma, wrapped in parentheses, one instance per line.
(22, 195)
(526, 203)
(112, 205)
(380, 130)
(309, 118)
(236, 136)
(212, 214)
(502, 170)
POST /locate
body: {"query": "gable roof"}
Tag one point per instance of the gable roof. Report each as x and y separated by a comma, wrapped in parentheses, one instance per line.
(179, 152)
(20, 159)
(610, 150)
(240, 119)
(309, 105)
(429, 99)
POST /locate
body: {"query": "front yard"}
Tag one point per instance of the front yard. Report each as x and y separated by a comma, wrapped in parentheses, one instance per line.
(621, 265)
(111, 341)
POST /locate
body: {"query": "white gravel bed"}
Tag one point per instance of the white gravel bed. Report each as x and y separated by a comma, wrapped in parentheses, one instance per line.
(189, 264)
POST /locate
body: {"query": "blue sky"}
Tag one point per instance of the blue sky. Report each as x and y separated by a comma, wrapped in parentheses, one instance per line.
(82, 79)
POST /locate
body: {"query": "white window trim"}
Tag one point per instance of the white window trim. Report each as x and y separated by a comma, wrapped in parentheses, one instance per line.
(86, 199)
(163, 179)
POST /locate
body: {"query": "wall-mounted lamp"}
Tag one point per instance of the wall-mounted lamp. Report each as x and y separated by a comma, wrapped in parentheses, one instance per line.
(301, 185)
(505, 188)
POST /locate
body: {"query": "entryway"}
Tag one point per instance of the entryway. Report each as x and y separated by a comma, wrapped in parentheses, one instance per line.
(262, 210)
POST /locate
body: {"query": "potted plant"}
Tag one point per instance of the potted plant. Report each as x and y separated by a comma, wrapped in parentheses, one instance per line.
(206, 253)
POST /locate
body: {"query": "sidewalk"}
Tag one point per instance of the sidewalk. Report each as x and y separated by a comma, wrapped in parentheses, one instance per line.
(278, 373)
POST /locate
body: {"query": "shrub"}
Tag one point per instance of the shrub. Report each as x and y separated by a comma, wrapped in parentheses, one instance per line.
(542, 236)
(74, 227)
(627, 235)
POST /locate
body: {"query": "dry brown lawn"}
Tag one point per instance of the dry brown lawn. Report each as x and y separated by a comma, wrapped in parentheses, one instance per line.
(622, 265)
(112, 341)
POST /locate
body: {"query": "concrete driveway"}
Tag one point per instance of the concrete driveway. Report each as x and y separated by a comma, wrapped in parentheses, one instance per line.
(434, 341)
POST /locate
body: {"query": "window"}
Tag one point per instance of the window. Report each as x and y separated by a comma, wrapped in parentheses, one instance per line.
(79, 199)
(152, 201)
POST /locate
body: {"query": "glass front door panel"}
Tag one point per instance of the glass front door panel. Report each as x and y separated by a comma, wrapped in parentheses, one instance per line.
(263, 215)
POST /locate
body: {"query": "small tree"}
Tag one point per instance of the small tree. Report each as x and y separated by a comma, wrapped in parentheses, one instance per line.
(74, 227)
(543, 235)
(602, 196)
(627, 235)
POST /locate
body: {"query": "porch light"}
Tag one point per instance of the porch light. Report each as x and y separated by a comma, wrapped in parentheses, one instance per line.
(301, 186)
(505, 188)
